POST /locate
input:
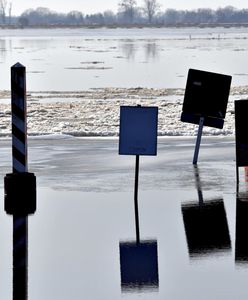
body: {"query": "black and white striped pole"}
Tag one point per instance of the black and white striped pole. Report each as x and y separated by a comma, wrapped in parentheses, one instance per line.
(19, 186)
(136, 204)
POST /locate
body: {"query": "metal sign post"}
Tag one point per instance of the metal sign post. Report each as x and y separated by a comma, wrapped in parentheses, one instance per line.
(198, 141)
(19, 186)
(205, 101)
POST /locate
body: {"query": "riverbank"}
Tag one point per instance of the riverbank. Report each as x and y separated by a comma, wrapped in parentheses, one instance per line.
(117, 26)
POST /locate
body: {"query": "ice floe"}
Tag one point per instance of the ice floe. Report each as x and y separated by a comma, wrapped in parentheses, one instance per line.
(96, 112)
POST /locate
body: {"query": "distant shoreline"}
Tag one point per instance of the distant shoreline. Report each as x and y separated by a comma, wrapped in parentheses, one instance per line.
(116, 26)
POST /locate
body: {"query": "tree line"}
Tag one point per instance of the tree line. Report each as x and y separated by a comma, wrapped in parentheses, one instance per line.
(129, 13)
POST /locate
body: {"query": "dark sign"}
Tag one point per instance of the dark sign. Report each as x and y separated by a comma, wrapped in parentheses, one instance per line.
(206, 227)
(241, 111)
(138, 130)
(206, 95)
(139, 265)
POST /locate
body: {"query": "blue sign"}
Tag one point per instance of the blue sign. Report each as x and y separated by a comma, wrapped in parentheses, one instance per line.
(138, 130)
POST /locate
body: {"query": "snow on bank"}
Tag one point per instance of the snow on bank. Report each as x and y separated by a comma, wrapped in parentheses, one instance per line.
(96, 112)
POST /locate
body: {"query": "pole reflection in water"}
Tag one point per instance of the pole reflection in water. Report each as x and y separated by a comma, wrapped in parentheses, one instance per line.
(198, 184)
(241, 242)
(205, 224)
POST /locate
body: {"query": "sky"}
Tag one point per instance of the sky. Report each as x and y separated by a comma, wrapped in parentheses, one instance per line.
(92, 6)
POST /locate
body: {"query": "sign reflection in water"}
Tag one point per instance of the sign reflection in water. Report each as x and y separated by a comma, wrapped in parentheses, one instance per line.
(205, 225)
(241, 245)
(139, 266)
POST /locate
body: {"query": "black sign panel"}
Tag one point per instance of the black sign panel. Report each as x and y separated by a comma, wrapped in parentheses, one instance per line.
(139, 265)
(241, 115)
(206, 95)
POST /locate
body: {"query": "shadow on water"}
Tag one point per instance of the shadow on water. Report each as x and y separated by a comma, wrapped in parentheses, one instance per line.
(205, 224)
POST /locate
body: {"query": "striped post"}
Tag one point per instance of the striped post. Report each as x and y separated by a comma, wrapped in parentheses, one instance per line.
(19, 155)
(136, 206)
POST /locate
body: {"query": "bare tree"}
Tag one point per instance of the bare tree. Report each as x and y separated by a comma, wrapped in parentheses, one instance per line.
(128, 7)
(3, 6)
(151, 7)
(10, 12)
(75, 17)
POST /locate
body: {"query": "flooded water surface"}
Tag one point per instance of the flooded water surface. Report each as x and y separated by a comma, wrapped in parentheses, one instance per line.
(82, 239)
(79, 59)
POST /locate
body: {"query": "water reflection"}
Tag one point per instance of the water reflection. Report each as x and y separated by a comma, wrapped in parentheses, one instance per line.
(3, 49)
(130, 49)
(138, 259)
(241, 244)
(139, 266)
(151, 50)
(198, 184)
(205, 223)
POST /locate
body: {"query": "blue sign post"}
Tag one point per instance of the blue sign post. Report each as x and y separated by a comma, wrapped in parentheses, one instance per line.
(138, 136)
